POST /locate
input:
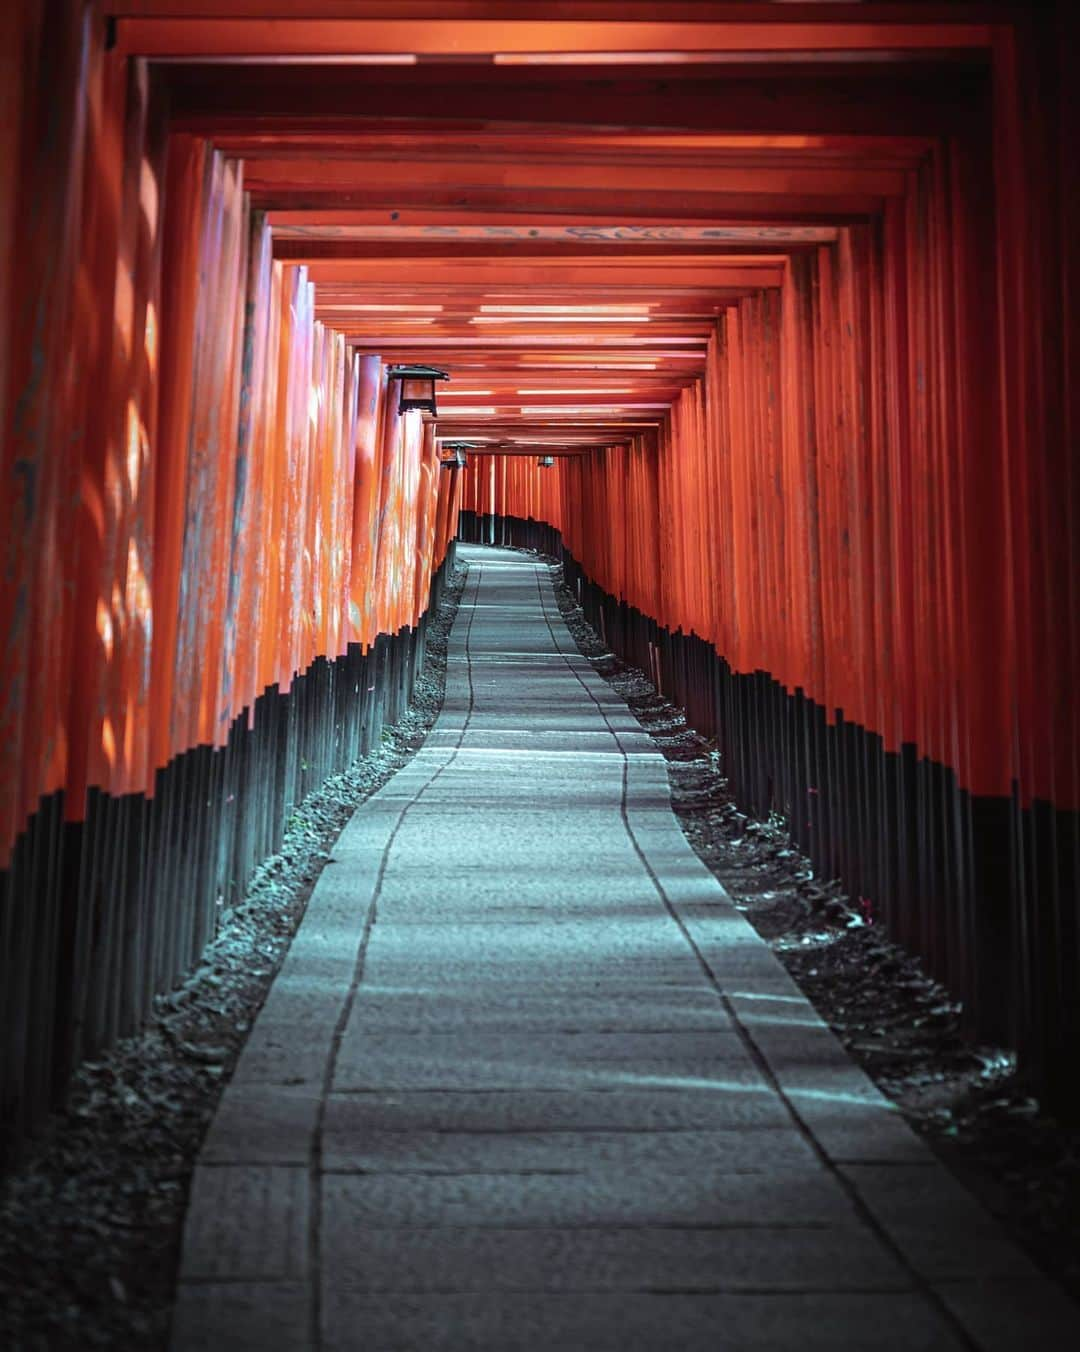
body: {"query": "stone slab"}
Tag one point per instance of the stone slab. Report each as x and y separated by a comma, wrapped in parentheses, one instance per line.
(603, 1198)
(674, 1260)
(243, 1317)
(286, 1054)
(554, 1152)
(510, 1009)
(937, 1225)
(630, 1322)
(536, 1059)
(263, 1124)
(668, 1105)
(247, 1223)
(589, 941)
(1013, 1315)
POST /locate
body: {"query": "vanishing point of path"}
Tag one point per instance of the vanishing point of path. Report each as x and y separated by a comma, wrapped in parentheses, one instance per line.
(527, 1080)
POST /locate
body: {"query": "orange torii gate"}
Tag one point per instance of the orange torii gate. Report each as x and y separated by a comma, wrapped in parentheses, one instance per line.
(787, 297)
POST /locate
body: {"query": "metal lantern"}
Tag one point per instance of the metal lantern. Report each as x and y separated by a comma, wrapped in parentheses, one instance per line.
(417, 386)
(454, 454)
(546, 461)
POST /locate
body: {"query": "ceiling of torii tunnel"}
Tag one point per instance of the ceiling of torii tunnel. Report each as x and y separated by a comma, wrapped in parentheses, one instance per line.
(554, 202)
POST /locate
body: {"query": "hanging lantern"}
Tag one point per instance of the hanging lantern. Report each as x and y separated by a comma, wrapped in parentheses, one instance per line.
(454, 454)
(417, 387)
(546, 461)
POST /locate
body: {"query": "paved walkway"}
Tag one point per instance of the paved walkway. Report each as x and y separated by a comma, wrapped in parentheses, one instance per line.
(527, 1080)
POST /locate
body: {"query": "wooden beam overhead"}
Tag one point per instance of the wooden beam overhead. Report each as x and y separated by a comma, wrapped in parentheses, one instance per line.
(754, 178)
(914, 99)
(638, 275)
(714, 11)
(569, 275)
(461, 227)
(504, 39)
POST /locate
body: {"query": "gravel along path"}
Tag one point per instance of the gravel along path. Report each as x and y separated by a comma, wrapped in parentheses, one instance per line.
(526, 1078)
(90, 1223)
(902, 1027)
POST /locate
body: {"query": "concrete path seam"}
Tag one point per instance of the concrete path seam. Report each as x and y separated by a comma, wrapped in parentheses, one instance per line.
(529, 1113)
(315, 1199)
(918, 1282)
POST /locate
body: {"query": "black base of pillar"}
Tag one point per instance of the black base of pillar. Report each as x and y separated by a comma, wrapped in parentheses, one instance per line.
(983, 889)
(99, 916)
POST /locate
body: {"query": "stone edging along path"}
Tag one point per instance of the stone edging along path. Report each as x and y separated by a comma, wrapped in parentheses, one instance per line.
(528, 1079)
(969, 1102)
(91, 1220)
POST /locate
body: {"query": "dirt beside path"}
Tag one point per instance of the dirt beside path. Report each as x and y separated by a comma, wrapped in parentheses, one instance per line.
(91, 1221)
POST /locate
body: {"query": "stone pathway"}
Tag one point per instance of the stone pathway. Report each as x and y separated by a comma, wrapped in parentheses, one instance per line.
(527, 1080)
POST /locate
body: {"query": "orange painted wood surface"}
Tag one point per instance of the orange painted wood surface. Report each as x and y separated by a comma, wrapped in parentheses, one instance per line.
(804, 426)
(510, 37)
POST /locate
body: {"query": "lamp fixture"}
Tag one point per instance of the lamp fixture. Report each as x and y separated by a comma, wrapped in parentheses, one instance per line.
(454, 454)
(546, 461)
(417, 386)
